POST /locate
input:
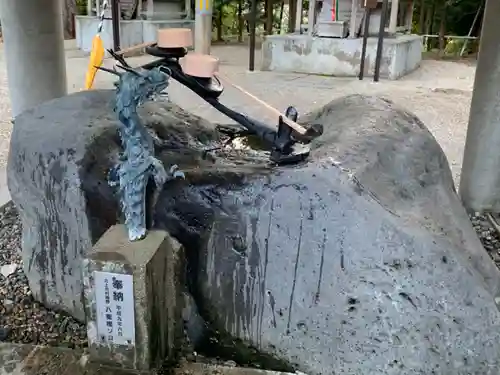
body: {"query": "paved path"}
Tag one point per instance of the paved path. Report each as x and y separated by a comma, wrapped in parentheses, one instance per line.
(439, 93)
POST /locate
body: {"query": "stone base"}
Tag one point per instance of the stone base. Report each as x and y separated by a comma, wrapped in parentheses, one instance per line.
(132, 32)
(332, 29)
(340, 57)
(152, 305)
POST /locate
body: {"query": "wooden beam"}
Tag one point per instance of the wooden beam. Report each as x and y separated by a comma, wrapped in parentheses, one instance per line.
(134, 48)
(297, 127)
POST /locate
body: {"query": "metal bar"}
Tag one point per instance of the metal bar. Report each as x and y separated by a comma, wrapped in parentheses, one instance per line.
(380, 41)
(471, 29)
(365, 41)
(115, 20)
(450, 36)
(253, 19)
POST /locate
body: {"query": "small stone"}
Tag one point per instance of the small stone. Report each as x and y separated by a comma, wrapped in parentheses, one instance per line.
(8, 269)
(4, 333)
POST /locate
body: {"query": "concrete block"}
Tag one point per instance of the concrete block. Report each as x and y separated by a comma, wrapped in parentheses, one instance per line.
(340, 57)
(132, 299)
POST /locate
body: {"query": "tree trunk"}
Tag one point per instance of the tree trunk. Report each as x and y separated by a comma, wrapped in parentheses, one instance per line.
(292, 14)
(281, 16)
(69, 11)
(421, 22)
(240, 21)
(428, 25)
(269, 16)
(442, 29)
(219, 21)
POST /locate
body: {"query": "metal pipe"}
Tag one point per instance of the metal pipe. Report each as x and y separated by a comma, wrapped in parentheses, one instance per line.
(115, 20)
(476, 17)
(253, 19)
(380, 41)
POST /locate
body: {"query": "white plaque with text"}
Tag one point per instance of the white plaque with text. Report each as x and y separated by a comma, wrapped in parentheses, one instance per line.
(114, 296)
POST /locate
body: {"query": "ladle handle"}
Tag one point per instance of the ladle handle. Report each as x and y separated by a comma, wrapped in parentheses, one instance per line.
(298, 128)
(134, 48)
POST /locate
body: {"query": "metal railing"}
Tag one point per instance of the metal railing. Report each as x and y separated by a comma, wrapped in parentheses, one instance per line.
(467, 38)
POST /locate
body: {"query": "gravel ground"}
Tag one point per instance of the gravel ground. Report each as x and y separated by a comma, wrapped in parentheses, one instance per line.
(22, 320)
(489, 237)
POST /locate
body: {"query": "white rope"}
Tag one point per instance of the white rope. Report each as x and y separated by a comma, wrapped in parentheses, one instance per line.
(101, 22)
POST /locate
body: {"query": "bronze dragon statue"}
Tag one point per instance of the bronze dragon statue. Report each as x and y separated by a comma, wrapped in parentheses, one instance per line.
(138, 167)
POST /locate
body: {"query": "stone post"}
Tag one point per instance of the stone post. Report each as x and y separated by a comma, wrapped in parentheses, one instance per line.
(34, 51)
(310, 17)
(393, 20)
(480, 177)
(352, 21)
(298, 17)
(132, 297)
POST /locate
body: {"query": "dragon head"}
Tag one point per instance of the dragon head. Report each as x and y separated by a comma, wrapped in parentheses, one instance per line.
(140, 84)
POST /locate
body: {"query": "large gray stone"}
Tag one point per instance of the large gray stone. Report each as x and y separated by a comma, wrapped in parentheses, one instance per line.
(361, 260)
(59, 158)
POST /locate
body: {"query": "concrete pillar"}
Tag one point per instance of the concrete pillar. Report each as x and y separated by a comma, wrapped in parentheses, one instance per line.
(138, 10)
(480, 178)
(298, 18)
(393, 21)
(352, 21)
(311, 18)
(203, 26)
(34, 51)
(187, 9)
